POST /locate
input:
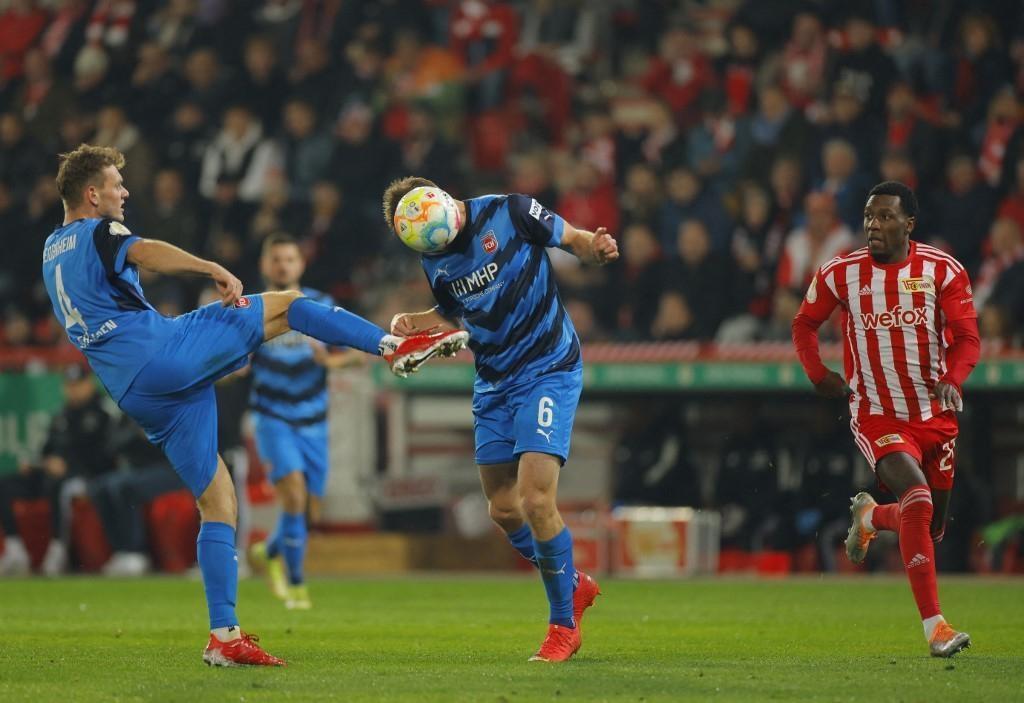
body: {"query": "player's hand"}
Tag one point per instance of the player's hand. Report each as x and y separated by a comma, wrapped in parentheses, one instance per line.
(604, 246)
(833, 386)
(228, 287)
(405, 324)
(947, 395)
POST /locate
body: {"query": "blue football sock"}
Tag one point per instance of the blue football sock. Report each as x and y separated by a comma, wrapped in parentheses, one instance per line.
(293, 545)
(522, 540)
(218, 561)
(335, 326)
(554, 558)
(274, 540)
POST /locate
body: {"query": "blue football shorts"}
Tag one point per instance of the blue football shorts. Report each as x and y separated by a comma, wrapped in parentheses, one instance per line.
(286, 449)
(172, 397)
(534, 416)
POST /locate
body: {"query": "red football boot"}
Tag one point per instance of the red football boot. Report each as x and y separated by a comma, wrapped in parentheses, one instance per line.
(560, 644)
(406, 355)
(243, 651)
(586, 593)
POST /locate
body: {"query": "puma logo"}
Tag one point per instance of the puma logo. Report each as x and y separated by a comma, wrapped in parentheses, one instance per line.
(560, 572)
(545, 435)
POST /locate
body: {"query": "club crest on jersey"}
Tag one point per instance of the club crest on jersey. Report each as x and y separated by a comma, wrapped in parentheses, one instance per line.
(242, 302)
(889, 439)
(897, 317)
(489, 243)
(920, 284)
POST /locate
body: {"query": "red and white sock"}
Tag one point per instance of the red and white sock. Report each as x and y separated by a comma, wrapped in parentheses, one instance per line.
(918, 551)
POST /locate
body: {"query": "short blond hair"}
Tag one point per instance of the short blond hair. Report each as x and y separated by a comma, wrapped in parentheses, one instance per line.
(396, 190)
(82, 167)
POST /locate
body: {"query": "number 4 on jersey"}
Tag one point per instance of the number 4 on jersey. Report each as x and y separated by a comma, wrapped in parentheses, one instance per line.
(71, 315)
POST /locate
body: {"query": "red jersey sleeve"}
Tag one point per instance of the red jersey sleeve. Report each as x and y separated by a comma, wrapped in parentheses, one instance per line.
(817, 306)
(956, 299)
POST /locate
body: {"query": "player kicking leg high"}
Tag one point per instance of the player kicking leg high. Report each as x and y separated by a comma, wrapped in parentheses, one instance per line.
(900, 298)
(289, 406)
(491, 272)
(161, 370)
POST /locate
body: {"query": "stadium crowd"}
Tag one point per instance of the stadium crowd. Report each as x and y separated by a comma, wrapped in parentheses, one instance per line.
(728, 144)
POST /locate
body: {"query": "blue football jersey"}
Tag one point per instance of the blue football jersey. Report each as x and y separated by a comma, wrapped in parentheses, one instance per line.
(96, 295)
(287, 383)
(497, 278)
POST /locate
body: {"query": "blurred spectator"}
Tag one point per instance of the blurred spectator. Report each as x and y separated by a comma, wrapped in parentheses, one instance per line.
(482, 34)
(236, 164)
(1002, 123)
(306, 149)
(673, 319)
(1006, 249)
(639, 280)
(844, 181)
(311, 75)
(114, 129)
(909, 132)
(959, 213)
(1012, 205)
(719, 143)
(679, 73)
(807, 248)
(110, 24)
(91, 79)
(738, 68)
(42, 99)
(896, 165)
(588, 200)
(642, 197)
(185, 142)
(170, 215)
(701, 274)
(776, 128)
(564, 32)
(65, 34)
(426, 153)
(77, 448)
(262, 82)
(981, 68)
(363, 161)
(156, 86)
(120, 496)
(863, 68)
(175, 28)
(849, 119)
(688, 199)
(21, 156)
(207, 85)
(423, 72)
(20, 25)
(803, 60)
(756, 248)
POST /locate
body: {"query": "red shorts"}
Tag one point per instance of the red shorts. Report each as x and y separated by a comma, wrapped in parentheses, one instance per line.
(931, 442)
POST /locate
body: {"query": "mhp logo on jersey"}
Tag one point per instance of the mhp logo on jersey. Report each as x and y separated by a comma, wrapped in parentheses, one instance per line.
(489, 243)
(889, 439)
(242, 302)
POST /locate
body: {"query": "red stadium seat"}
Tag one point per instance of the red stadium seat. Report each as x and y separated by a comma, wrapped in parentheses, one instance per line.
(33, 518)
(173, 524)
(88, 541)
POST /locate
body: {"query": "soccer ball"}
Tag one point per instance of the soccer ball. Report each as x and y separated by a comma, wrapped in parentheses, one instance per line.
(427, 219)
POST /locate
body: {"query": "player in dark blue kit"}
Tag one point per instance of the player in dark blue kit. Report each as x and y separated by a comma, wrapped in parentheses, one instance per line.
(161, 370)
(289, 406)
(495, 279)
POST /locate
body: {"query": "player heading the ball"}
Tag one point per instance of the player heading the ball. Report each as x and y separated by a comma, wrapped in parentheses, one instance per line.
(489, 272)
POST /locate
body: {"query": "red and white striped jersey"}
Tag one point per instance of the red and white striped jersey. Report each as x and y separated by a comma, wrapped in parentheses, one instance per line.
(893, 322)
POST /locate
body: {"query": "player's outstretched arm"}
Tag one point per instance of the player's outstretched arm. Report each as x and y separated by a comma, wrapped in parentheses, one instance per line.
(161, 257)
(816, 307)
(596, 247)
(406, 324)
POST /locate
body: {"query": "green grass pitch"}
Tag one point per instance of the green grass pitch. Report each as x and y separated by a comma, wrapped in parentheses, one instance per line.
(467, 639)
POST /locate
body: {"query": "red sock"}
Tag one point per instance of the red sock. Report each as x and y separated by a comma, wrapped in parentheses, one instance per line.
(916, 548)
(886, 517)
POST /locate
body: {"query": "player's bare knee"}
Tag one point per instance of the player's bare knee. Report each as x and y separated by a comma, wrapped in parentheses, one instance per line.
(275, 311)
(538, 505)
(507, 517)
